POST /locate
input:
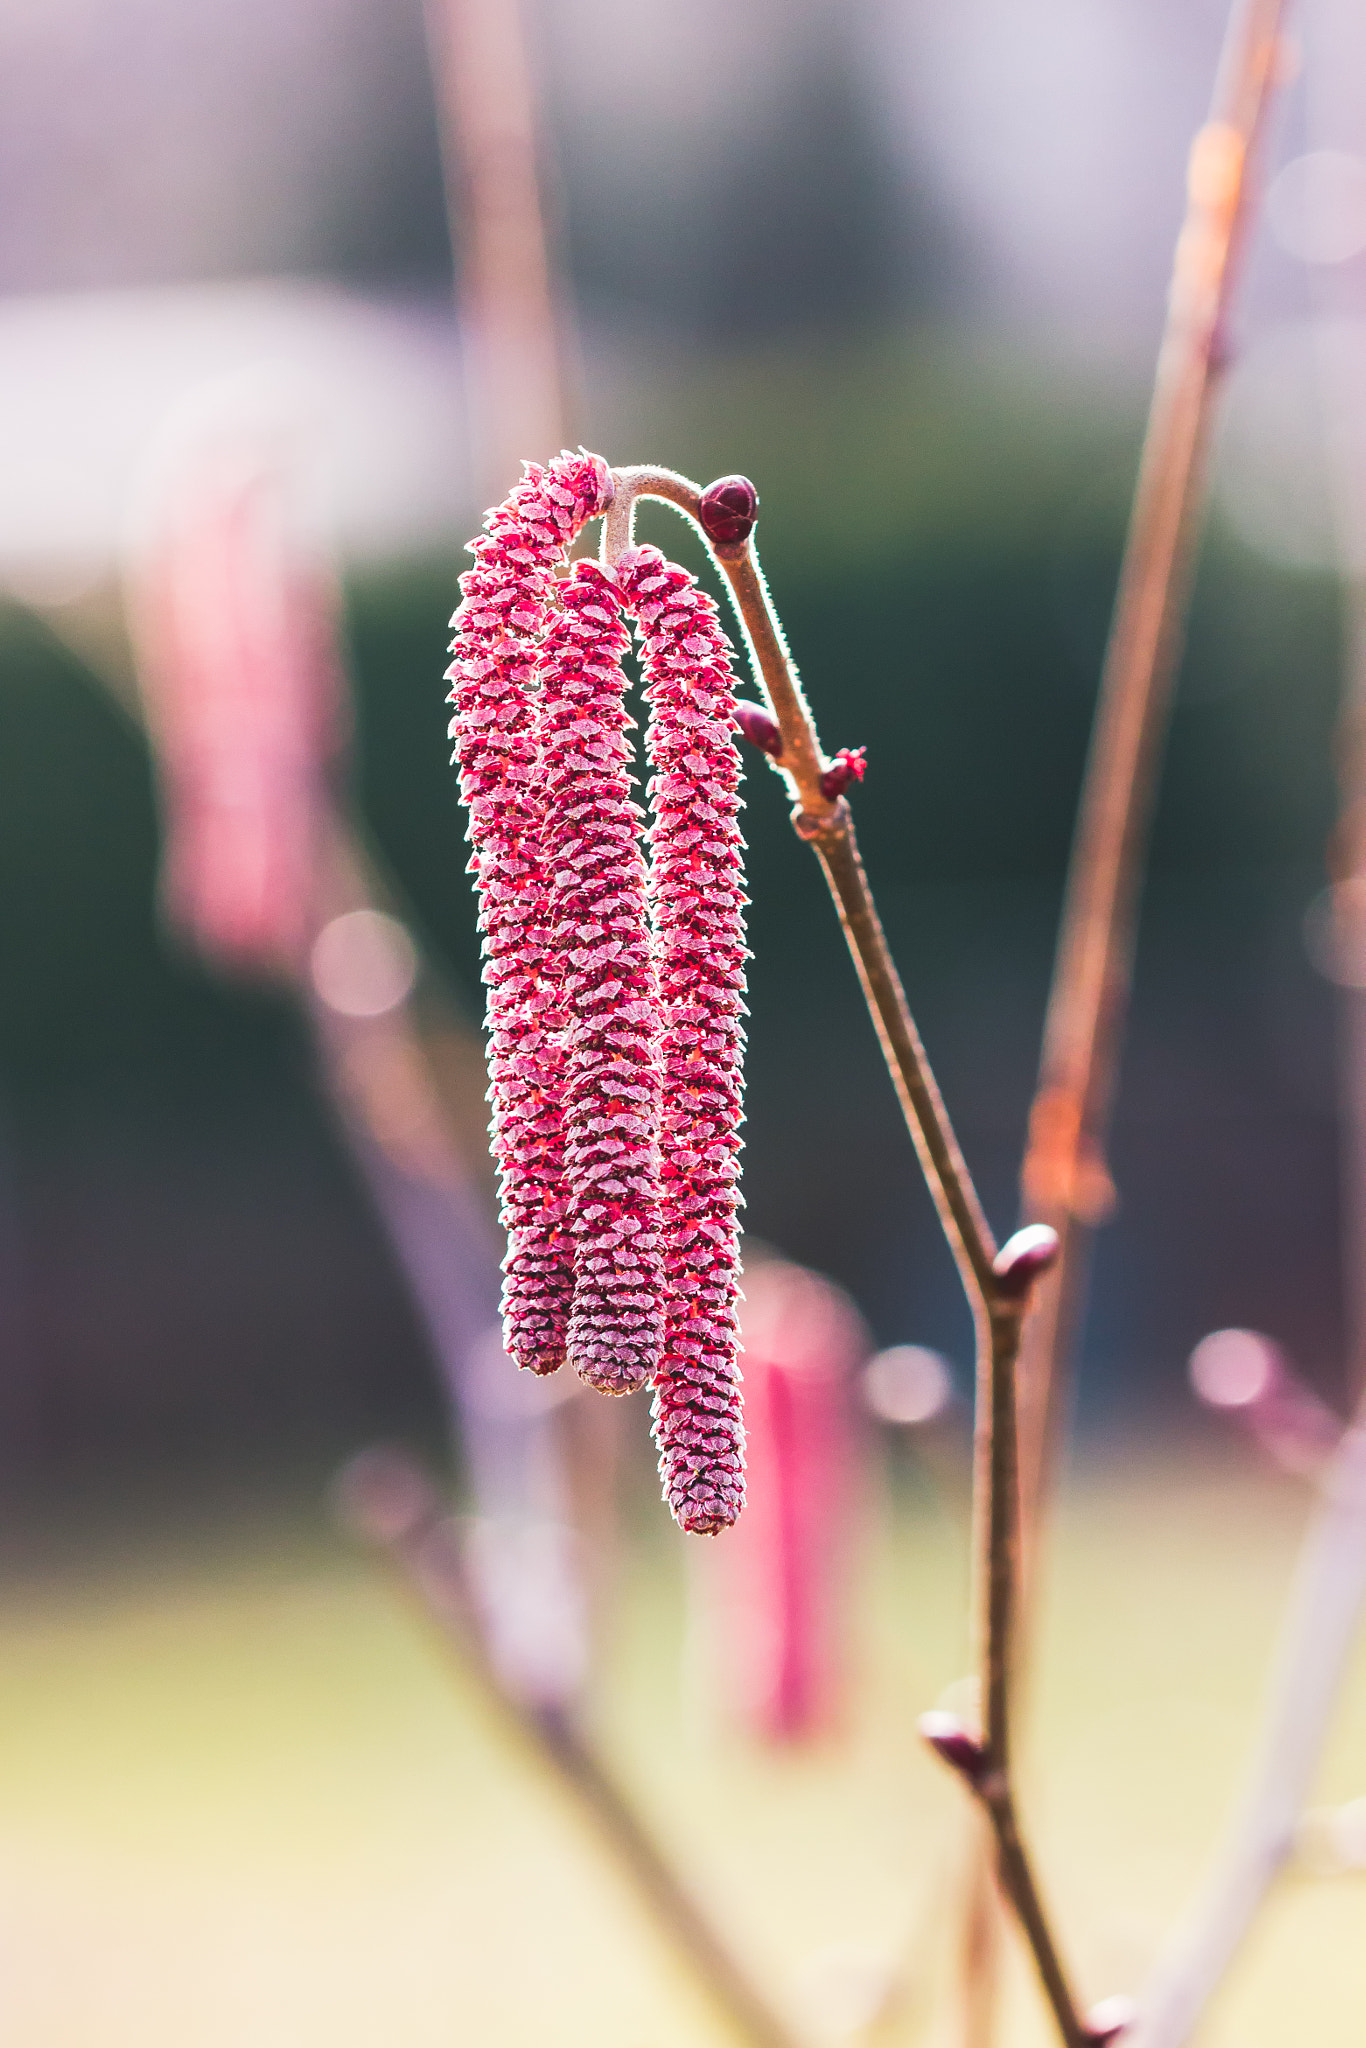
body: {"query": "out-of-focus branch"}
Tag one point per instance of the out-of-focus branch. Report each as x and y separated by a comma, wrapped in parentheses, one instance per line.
(1245, 1376)
(1065, 1180)
(391, 1502)
(238, 645)
(1320, 1629)
(999, 1285)
(487, 118)
(378, 1076)
(1328, 1594)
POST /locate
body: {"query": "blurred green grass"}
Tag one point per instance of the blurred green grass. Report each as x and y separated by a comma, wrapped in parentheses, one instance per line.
(246, 1798)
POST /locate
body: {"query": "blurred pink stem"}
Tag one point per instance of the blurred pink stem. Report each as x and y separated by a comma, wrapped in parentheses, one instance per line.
(486, 106)
(390, 1500)
(1320, 1629)
(377, 1076)
(439, 1235)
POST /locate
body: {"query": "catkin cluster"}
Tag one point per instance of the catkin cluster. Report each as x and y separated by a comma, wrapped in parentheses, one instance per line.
(615, 991)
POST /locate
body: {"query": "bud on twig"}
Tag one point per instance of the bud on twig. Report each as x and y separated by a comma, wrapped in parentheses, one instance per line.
(760, 728)
(1109, 2020)
(949, 1739)
(848, 766)
(1022, 1259)
(728, 511)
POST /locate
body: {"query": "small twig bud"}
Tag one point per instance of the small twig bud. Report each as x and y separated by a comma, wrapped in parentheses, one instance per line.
(728, 511)
(949, 1739)
(848, 766)
(1022, 1259)
(760, 728)
(1109, 2020)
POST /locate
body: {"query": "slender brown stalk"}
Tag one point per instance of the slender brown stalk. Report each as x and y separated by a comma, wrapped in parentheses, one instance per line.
(391, 1501)
(1324, 1611)
(487, 122)
(998, 1285)
(828, 825)
(1065, 1181)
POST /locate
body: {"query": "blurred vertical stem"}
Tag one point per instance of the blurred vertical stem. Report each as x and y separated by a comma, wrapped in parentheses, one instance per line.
(1322, 1621)
(510, 318)
(1324, 1610)
(998, 1285)
(1064, 1179)
(1065, 1182)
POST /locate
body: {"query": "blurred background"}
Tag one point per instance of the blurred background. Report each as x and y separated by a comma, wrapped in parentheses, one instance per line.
(905, 267)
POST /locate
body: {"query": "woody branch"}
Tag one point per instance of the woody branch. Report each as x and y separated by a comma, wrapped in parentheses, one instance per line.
(1000, 1284)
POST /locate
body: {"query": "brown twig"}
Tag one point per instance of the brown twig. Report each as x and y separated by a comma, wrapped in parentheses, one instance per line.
(999, 1285)
(827, 824)
(1324, 1611)
(1065, 1182)
(392, 1502)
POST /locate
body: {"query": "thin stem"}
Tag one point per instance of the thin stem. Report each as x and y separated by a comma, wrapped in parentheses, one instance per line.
(1017, 1882)
(922, 1105)
(997, 1570)
(1322, 1620)
(487, 126)
(1064, 1179)
(392, 1502)
(827, 824)
(802, 763)
(1324, 1612)
(998, 1538)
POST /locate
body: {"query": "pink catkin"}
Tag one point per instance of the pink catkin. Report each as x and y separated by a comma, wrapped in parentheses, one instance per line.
(698, 909)
(596, 869)
(783, 1580)
(506, 603)
(244, 697)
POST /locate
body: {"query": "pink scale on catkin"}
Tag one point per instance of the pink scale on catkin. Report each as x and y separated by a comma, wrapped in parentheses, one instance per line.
(596, 867)
(506, 601)
(697, 904)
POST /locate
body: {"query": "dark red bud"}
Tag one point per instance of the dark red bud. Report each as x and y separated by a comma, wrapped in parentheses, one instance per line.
(1022, 1258)
(1108, 2021)
(728, 511)
(848, 766)
(760, 728)
(949, 1739)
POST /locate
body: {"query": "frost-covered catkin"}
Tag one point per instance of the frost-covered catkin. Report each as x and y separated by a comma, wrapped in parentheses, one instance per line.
(596, 868)
(506, 598)
(697, 902)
